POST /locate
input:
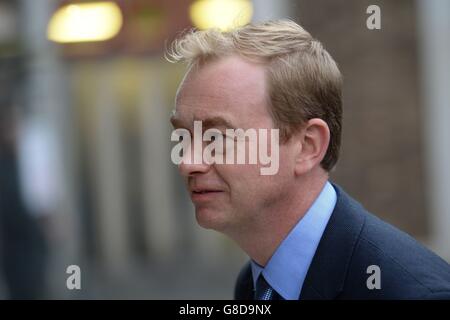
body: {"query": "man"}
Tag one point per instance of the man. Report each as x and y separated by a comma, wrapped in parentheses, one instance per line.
(307, 239)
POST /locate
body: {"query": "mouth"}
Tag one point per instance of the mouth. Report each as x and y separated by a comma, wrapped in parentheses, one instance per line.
(204, 191)
(204, 194)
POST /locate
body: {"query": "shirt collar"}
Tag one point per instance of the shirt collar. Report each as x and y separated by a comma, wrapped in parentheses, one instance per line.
(287, 268)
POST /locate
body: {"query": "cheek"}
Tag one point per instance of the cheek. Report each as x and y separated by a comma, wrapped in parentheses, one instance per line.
(248, 187)
(246, 184)
(241, 179)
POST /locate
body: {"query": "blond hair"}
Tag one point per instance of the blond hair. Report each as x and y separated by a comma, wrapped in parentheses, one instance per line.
(303, 79)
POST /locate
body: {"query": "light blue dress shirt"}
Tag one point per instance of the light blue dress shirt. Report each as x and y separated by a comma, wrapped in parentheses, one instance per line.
(286, 270)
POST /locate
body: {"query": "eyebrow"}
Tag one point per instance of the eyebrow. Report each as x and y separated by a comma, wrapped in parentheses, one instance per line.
(175, 121)
(215, 122)
(212, 122)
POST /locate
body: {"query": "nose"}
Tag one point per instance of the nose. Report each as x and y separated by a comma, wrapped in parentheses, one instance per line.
(191, 169)
(188, 167)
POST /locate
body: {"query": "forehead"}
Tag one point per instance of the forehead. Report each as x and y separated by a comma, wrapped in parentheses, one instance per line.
(230, 87)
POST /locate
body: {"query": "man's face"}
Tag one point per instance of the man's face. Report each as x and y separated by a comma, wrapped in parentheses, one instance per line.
(230, 93)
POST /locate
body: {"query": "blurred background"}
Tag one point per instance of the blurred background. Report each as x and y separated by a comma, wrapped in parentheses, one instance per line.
(85, 171)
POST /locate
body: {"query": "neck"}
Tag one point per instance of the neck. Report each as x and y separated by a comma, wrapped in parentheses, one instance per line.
(260, 239)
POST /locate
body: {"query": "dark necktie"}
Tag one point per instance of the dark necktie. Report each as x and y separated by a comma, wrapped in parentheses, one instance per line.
(264, 291)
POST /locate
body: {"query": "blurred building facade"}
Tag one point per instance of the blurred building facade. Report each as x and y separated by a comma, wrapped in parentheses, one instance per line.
(119, 209)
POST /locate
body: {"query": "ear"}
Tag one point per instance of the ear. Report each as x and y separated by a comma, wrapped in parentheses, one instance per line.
(314, 139)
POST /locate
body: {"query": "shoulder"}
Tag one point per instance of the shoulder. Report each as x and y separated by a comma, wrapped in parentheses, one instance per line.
(406, 269)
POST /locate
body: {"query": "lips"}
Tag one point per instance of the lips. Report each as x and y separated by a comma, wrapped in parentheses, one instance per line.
(204, 190)
(204, 193)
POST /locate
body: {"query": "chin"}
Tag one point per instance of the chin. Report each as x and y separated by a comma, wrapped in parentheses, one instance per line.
(211, 219)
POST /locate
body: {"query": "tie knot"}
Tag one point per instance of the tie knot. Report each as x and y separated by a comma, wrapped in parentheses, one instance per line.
(264, 291)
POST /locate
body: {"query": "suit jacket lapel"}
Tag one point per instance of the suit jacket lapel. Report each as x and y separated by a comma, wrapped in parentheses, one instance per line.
(326, 275)
(244, 288)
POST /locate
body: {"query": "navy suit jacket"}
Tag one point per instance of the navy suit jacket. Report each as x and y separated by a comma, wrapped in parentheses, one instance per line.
(353, 240)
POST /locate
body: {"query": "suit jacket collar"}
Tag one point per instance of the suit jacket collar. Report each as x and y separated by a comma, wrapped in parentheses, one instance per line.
(326, 275)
